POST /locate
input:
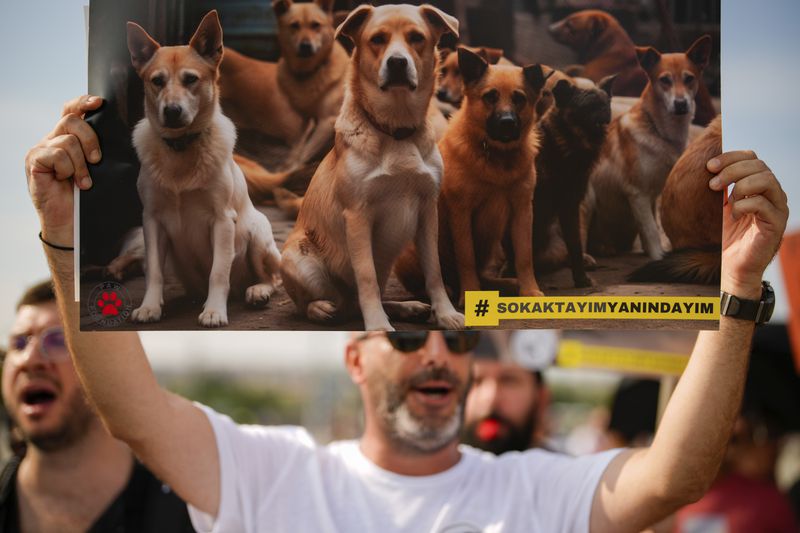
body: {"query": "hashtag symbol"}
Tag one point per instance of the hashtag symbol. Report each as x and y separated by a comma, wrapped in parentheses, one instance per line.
(481, 308)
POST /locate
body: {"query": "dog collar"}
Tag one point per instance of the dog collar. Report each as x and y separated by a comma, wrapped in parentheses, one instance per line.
(179, 144)
(400, 134)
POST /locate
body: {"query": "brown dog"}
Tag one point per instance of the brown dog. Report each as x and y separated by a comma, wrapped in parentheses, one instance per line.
(376, 191)
(691, 215)
(280, 100)
(488, 150)
(604, 48)
(640, 150)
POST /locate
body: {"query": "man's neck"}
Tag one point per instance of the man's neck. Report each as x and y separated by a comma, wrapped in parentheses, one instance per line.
(387, 455)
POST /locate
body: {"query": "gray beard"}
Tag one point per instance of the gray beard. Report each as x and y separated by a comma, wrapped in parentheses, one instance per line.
(412, 434)
(415, 435)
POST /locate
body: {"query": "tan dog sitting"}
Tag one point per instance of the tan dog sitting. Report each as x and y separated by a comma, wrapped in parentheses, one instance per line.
(377, 190)
(197, 213)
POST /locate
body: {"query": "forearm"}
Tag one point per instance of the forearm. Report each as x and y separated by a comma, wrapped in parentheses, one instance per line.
(112, 366)
(694, 431)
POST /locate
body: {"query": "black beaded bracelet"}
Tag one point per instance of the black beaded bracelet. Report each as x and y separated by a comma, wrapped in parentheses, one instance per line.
(57, 247)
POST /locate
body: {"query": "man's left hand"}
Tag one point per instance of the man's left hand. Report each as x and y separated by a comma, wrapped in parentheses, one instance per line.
(754, 219)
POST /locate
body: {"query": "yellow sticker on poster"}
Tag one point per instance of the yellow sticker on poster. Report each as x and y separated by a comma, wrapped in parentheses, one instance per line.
(488, 308)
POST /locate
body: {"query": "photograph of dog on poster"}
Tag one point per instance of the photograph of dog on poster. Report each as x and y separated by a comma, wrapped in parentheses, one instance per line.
(344, 165)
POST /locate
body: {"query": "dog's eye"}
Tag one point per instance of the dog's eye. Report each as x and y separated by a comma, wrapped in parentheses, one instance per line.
(189, 79)
(158, 81)
(491, 97)
(688, 78)
(295, 26)
(378, 39)
(666, 81)
(315, 25)
(416, 37)
(519, 99)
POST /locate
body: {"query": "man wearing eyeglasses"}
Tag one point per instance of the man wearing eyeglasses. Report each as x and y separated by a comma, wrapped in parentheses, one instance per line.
(72, 475)
(407, 472)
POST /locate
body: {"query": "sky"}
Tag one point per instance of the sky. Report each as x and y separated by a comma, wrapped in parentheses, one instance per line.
(44, 64)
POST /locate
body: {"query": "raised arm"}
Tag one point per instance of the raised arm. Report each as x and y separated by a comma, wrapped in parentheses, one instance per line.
(168, 433)
(640, 487)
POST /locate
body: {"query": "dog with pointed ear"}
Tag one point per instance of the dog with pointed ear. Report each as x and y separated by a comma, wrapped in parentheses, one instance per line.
(489, 150)
(676, 78)
(218, 241)
(177, 79)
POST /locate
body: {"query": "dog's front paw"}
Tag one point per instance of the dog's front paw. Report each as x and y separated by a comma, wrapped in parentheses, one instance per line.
(258, 295)
(146, 313)
(213, 318)
(411, 311)
(377, 324)
(589, 262)
(449, 320)
(321, 311)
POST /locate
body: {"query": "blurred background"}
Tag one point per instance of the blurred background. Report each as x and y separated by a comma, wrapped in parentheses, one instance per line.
(289, 378)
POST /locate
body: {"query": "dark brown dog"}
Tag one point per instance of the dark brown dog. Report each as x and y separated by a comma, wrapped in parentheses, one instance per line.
(489, 177)
(572, 134)
(605, 48)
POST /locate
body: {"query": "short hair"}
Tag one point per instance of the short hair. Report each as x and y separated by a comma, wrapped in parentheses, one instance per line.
(38, 294)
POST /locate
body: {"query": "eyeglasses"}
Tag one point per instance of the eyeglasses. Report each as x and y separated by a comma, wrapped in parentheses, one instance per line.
(51, 341)
(458, 342)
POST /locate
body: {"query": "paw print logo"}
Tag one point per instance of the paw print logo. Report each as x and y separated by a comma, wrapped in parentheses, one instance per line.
(109, 304)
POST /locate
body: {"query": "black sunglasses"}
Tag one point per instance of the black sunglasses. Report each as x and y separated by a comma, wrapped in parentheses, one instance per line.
(410, 341)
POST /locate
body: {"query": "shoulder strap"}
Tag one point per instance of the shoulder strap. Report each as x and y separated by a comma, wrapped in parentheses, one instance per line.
(7, 481)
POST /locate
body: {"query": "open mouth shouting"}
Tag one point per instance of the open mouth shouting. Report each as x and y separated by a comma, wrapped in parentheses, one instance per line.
(436, 394)
(37, 398)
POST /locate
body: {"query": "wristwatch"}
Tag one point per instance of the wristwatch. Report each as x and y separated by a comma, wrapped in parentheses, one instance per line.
(759, 311)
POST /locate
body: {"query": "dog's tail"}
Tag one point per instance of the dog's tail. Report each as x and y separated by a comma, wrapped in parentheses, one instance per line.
(261, 183)
(687, 265)
(288, 201)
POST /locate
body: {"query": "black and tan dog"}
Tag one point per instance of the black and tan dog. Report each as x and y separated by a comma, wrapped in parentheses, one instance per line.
(572, 134)
(489, 177)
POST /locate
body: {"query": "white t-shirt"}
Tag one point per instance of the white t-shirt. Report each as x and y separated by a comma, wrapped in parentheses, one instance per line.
(277, 479)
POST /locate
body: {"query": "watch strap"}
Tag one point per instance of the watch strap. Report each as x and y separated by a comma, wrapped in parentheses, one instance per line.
(759, 311)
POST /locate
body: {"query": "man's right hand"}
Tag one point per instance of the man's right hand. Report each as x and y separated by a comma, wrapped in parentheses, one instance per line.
(56, 161)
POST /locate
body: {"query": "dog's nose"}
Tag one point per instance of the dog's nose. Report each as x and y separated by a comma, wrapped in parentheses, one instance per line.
(504, 127)
(442, 95)
(507, 121)
(397, 64)
(305, 49)
(172, 115)
(681, 106)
